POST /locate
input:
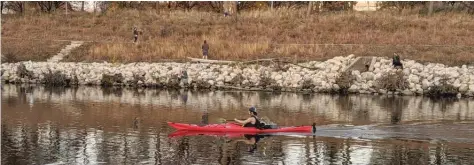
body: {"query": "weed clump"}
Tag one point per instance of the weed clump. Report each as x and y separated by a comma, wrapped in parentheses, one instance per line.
(344, 81)
(201, 84)
(267, 82)
(237, 79)
(392, 81)
(56, 79)
(110, 80)
(9, 57)
(442, 90)
(22, 72)
(308, 84)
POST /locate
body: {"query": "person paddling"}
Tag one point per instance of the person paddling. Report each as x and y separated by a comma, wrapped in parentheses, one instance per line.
(252, 121)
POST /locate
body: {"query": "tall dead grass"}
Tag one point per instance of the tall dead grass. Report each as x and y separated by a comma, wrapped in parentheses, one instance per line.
(253, 34)
(16, 50)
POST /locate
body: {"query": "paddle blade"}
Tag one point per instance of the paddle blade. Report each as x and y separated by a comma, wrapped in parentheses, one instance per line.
(221, 120)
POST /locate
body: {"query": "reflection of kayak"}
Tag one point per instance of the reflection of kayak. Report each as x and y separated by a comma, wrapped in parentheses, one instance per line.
(181, 133)
(233, 127)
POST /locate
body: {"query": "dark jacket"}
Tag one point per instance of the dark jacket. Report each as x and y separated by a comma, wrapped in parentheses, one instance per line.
(205, 47)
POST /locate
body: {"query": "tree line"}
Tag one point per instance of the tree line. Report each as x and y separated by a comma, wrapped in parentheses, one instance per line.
(219, 6)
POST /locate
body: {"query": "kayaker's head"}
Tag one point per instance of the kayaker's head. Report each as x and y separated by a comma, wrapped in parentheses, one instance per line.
(253, 111)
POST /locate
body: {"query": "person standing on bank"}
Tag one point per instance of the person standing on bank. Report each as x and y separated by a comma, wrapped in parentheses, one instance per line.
(205, 49)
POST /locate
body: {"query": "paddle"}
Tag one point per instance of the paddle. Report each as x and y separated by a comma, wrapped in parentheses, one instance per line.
(222, 120)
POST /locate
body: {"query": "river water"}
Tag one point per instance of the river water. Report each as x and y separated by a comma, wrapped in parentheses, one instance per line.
(91, 125)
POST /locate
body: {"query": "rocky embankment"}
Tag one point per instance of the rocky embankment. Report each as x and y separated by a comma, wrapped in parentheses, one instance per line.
(328, 76)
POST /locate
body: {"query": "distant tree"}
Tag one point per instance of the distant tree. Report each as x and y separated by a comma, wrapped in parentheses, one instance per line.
(400, 5)
(49, 6)
(18, 7)
(469, 6)
(216, 6)
(186, 5)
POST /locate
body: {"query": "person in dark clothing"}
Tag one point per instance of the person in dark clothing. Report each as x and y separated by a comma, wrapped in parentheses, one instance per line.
(135, 34)
(252, 121)
(397, 64)
(205, 118)
(205, 49)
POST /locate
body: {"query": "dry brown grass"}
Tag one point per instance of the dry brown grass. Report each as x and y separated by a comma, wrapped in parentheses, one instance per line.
(34, 50)
(254, 34)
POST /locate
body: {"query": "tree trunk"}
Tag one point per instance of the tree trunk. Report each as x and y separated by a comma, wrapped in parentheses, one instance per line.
(310, 6)
(430, 8)
(82, 6)
(2, 7)
(22, 7)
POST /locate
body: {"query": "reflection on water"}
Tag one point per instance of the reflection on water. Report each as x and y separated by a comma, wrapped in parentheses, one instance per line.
(89, 125)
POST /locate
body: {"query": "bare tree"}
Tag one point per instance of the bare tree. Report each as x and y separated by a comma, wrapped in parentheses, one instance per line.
(216, 6)
(186, 5)
(310, 6)
(103, 6)
(430, 8)
(469, 6)
(18, 7)
(49, 6)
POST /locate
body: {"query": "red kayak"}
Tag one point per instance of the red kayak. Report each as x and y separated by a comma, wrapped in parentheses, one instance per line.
(233, 127)
(181, 133)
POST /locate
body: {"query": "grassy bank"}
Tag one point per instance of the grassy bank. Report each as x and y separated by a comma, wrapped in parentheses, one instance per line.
(251, 35)
(14, 50)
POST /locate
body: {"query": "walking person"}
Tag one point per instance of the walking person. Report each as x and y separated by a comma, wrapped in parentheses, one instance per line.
(205, 49)
(135, 34)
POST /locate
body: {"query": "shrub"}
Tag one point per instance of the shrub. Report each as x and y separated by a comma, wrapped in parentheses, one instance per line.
(9, 57)
(344, 81)
(308, 84)
(267, 82)
(392, 81)
(56, 79)
(109, 80)
(22, 72)
(442, 90)
(237, 79)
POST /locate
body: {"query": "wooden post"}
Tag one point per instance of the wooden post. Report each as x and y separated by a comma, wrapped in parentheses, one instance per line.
(82, 6)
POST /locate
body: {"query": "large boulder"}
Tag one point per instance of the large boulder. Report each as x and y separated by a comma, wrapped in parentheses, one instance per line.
(353, 88)
(463, 88)
(413, 79)
(367, 76)
(471, 88)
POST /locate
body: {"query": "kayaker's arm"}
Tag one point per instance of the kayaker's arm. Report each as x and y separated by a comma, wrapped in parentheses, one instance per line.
(242, 121)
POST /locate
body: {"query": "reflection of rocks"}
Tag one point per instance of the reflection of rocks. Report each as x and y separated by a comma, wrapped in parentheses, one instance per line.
(416, 77)
(395, 109)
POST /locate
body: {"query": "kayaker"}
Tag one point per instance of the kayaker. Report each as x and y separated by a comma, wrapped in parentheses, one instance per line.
(252, 121)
